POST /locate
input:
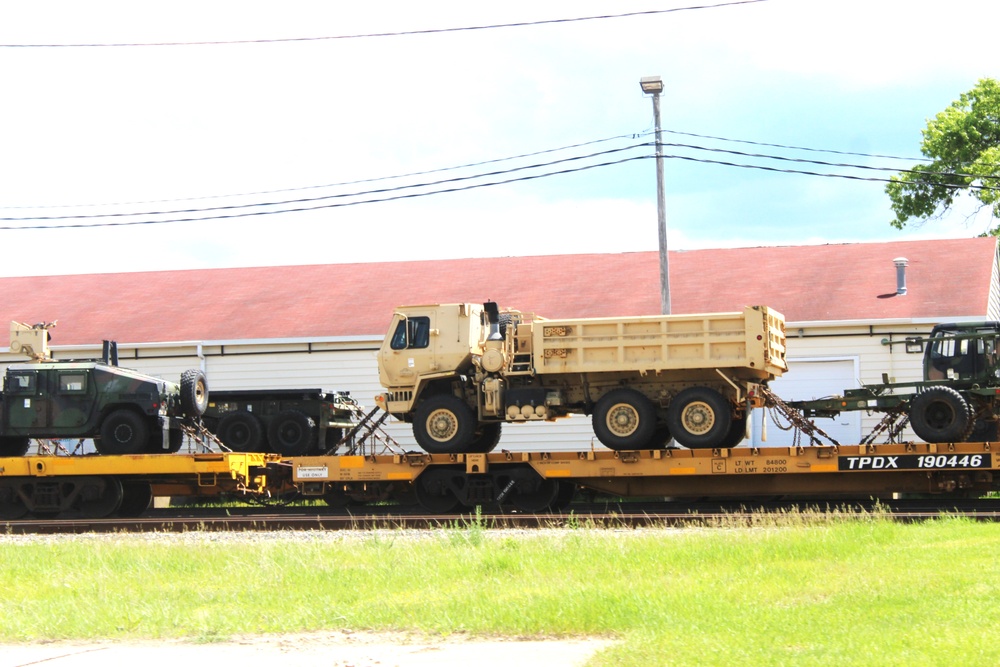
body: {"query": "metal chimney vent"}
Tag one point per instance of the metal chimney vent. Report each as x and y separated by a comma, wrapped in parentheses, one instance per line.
(900, 263)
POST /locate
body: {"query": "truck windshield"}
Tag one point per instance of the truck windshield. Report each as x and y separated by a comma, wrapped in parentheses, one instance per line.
(413, 332)
(964, 356)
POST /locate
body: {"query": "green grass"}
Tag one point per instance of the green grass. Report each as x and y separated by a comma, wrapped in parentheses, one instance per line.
(851, 591)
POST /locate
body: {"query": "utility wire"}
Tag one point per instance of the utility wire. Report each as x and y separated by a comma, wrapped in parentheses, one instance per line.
(457, 179)
(429, 31)
(410, 195)
(334, 185)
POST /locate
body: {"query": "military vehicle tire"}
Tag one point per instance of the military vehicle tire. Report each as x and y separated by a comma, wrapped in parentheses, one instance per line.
(123, 432)
(443, 424)
(292, 433)
(940, 414)
(194, 393)
(737, 432)
(624, 419)
(486, 438)
(14, 446)
(699, 418)
(241, 432)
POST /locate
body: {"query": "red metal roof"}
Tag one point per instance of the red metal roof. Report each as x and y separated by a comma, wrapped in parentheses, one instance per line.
(945, 279)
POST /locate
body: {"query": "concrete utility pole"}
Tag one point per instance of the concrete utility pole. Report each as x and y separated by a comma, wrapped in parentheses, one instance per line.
(653, 85)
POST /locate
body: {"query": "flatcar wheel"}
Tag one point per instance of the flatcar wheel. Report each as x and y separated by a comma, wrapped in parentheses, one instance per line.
(11, 506)
(538, 500)
(100, 497)
(136, 498)
(434, 493)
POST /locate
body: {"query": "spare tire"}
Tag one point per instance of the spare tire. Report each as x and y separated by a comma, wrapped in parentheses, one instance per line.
(194, 393)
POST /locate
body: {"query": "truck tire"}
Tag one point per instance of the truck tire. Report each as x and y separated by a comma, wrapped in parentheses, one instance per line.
(14, 446)
(624, 419)
(486, 439)
(241, 432)
(940, 414)
(123, 432)
(194, 393)
(699, 418)
(292, 433)
(443, 424)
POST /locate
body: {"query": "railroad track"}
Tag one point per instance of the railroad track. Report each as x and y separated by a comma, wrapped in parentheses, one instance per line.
(607, 515)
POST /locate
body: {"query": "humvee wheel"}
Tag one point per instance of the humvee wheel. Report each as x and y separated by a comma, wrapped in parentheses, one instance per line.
(241, 432)
(123, 432)
(443, 424)
(699, 418)
(624, 419)
(14, 446)
(194, 393)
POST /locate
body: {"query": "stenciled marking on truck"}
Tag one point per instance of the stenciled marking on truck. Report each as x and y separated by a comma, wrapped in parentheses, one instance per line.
(915, 462)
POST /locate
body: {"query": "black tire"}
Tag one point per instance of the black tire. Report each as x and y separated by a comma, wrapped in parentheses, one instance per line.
(14, 446)
(940, 414)
(333, 438)
(487, 438)
(699, 418)
(443, 424)
(624, 419)
(194, 393)
(123, 432)
(661, 438)
(241, 432)
(292, 433)
(984, 430)
(737, 432)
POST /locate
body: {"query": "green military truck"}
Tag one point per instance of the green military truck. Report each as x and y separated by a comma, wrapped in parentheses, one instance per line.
(290, 422)
(958, 399)
(123, 411)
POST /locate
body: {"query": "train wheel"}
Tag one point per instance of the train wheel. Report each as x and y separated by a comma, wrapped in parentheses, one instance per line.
(100, 497)
(292, 433)
(136, 498)
(11, 506)
(538, 500)
(14, 446)
(624, 419)
(443, 424)
(940, 414)
(123, 432)
(434, 492)
(194, 393)
(241, 432)
(699, 418)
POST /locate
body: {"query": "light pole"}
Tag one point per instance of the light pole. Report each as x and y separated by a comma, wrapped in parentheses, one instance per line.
(653, 85)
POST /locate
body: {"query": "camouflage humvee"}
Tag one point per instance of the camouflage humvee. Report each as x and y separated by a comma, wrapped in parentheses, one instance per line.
(124, 411)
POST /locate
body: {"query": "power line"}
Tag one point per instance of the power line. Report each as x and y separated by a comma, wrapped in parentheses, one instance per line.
(334, 185)
(410, 195)
(326, 197)
(429, 31)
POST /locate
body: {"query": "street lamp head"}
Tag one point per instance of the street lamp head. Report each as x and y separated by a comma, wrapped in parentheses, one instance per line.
(651, 85)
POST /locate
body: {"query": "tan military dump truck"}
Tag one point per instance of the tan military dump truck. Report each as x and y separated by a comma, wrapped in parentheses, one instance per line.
(458, 371)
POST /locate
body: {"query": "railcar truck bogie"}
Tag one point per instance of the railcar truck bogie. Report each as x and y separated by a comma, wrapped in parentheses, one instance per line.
(457, 372)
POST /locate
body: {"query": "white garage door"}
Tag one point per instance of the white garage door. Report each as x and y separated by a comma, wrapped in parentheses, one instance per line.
(805, 380)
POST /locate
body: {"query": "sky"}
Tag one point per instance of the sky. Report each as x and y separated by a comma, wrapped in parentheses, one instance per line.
(144, 124)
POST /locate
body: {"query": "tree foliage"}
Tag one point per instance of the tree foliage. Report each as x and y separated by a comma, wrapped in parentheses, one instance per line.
(963, 146)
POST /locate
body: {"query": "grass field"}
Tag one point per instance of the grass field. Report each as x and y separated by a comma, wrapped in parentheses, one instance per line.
(795, 591)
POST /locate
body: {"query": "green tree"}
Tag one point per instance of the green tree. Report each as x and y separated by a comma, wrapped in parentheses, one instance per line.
(963, 146)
